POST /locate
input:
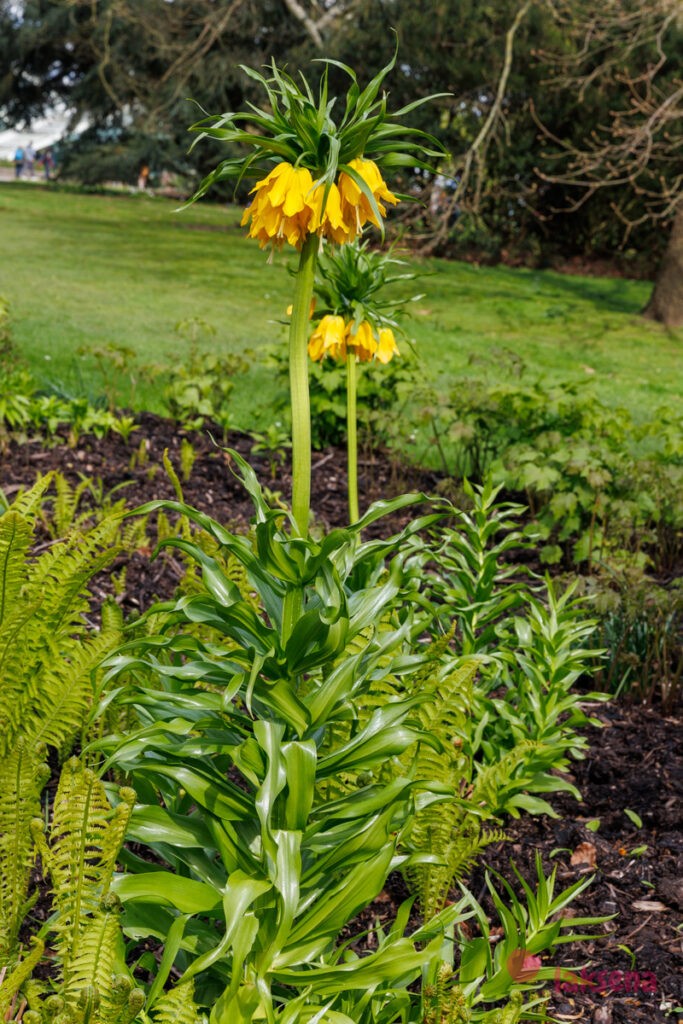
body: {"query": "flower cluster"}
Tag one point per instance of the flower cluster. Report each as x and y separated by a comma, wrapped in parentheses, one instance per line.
(288, 205)
(334, 338)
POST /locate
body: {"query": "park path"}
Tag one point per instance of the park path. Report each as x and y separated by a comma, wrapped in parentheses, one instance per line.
(7, 174)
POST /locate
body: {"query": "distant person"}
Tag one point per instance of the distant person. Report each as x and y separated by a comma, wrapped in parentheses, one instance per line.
(30, 159)
(18, 162)
(142, 178)
(48, 164)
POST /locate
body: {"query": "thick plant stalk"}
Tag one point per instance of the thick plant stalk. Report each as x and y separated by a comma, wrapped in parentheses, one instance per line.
(298, 383)
(351, 436)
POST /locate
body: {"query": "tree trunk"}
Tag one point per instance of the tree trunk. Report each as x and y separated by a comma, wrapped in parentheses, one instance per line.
(666, 302)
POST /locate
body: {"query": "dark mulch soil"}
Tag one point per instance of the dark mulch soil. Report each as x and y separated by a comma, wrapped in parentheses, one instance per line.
(135, 470)
(634, 762)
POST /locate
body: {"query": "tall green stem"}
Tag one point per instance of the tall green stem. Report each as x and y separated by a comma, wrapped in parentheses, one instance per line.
(301, 414)
(298, 384)
(351, 435)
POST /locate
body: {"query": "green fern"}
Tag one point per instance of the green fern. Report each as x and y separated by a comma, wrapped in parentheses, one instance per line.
(22, 777)
(177, 1006)
(450, 829)
(47, 653)
(89, 973)
(79, 856)
(493, 782)
(16, 533)
(29, 503)
(85, 837)
(64, 513)
(17, 977)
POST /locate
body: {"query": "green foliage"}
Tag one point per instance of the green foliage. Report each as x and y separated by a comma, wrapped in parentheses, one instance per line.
(532, 924)
(639, 628)
(177, 1006)
(383, 391)
(48, 658)
(532, 644)
(599, 487)
(200, 389)
(351, 282)
(474, 585)
(539, 705)
(298, 127)
(200, 385)
(84, 841)
(90, 982)
(292, 867)
(448, 833)
(22, 777)
(25, 410)
(293, 745)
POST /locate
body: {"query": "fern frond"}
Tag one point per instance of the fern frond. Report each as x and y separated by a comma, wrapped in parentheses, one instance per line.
(85, 838)
(66, 692)
(89, 976)
(443, 1001)
(45, 663)
(445, 714)
(18, 976)
(60, 577)
(491, 781)
(125, 1002)
(177, 1006)
(27, 504)
(16, 534)
(22, 777)
(67, 499)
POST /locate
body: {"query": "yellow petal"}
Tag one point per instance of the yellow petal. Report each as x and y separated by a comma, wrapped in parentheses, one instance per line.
(387, 347)
(328, 337)
(363, 341)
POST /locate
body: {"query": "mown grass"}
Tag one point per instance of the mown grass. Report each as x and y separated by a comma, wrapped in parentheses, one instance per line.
(83, 271)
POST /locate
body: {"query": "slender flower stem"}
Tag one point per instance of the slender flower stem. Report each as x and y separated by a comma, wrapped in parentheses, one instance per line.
(301, 415)
(351, 435)
(298, 384)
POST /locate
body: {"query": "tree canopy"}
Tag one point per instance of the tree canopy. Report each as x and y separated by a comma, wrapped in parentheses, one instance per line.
(563, 120)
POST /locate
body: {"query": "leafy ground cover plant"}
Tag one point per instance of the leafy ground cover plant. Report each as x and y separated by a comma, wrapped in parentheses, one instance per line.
(199, 388)
(600, 488)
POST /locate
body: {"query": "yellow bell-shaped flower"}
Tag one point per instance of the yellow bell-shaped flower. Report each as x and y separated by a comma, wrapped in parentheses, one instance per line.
(363, 342)
(282, 208)
(386, 346)
(328, 339)
(355, 205)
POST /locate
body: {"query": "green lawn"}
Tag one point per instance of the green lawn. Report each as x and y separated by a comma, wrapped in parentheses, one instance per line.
(83, 271)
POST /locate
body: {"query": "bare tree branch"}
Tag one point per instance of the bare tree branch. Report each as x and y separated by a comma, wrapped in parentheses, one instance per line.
(471, 165)
(316, 26)
(640, 149)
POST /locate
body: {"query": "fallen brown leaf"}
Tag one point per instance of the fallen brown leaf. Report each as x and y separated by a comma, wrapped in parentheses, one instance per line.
(649, 906)
(584, 855)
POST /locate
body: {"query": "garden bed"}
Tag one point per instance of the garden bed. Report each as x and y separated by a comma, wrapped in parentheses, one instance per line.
(632, 766)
